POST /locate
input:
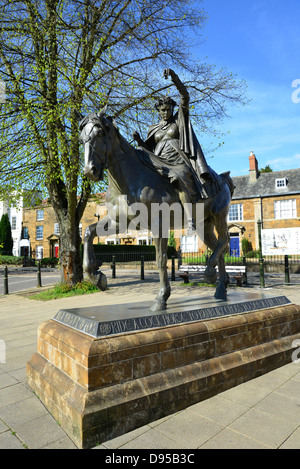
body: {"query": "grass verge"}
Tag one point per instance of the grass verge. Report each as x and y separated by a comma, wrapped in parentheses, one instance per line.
(197, 284)
(63, 290)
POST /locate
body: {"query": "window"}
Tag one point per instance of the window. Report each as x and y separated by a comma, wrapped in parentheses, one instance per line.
(189, 243)
(39, 232)
(236, 212)
(279, 183)
(112, 241)
(284, 209)
(25, 233)
(40, 215)
(145, 241)
(56, 229)
(13, 223)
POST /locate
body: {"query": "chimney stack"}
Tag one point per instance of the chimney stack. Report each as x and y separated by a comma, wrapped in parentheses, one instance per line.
(253, 172)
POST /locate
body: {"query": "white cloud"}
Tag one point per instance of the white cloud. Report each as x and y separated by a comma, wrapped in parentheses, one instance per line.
(289, 162)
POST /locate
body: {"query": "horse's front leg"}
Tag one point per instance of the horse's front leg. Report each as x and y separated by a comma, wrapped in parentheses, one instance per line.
(91, 270)
(221, 291)
(160, 302)
(218, 245)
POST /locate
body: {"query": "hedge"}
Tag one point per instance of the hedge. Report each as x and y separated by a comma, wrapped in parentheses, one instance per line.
(128, 253)
(11, 260)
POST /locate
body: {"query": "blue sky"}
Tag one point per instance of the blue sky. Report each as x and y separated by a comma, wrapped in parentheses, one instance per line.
(260, 42)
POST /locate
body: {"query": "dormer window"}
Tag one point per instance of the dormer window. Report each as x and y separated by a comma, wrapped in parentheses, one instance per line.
(280, 183)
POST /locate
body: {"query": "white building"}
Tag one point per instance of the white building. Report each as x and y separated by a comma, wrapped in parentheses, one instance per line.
(21, 246)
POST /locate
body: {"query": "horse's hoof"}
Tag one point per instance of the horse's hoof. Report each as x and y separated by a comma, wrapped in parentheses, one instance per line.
(221, 293)
(98, 279)
(102, 282)
(158, 305)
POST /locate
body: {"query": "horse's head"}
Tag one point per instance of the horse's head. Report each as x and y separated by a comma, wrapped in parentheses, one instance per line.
(94, 136)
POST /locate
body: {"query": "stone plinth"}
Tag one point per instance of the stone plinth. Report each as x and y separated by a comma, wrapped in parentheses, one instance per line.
(98, 387)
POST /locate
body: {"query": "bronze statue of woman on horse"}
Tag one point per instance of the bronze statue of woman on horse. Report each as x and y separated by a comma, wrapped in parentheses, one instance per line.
(174, 149)
(167, 168)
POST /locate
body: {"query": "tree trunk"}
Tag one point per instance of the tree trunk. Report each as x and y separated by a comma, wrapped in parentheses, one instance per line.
(70, 253)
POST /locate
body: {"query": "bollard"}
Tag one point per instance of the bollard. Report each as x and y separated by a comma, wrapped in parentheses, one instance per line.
(113, 267)
(261, 260)
(286, 269)
(5, 281)
(142, 268)
(39, 276)
(262, 272)
(173, 268)
(245, 279)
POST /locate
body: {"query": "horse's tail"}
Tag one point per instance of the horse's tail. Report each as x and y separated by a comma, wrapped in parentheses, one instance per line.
(226, 177)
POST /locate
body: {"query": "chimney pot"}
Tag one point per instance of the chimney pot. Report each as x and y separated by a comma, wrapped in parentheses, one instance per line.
(254, 173)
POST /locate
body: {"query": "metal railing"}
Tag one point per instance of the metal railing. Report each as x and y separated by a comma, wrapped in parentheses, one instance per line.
(126, 257)
(201, 258)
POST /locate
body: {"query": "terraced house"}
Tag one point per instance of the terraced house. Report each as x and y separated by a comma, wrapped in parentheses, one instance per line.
(271, 197)
(43, 230)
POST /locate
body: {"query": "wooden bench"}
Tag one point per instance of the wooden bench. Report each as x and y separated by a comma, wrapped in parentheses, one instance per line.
(239, 272)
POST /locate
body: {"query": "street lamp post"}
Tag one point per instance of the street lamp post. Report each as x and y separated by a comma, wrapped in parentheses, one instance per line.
(261, 260)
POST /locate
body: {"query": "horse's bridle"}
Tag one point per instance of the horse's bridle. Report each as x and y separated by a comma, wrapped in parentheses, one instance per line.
(97, 122)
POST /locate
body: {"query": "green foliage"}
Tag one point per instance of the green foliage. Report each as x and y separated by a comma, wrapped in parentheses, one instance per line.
(49, 262)
(253, 255)
(267, 169)
(171, 240)
(6, 240)
(246, 246)
(64, 290)
(11, 260)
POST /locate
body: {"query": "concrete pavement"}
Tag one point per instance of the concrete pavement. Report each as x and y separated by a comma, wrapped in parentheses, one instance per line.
(261, 414)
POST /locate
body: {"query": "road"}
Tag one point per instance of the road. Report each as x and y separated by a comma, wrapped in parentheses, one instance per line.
(22, 280)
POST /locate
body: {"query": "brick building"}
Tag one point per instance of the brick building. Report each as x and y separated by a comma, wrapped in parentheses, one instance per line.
(272, 197)
(42, 229)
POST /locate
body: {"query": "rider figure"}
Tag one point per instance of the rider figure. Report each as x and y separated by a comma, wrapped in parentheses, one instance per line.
(175, 150)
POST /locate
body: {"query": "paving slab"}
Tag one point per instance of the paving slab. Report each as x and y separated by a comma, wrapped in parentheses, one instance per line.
(230, 439)
(189, 430)
(293, 442)
(219, 410)
(269, 429)
(40, 432)
(261, 414)
(10, 441)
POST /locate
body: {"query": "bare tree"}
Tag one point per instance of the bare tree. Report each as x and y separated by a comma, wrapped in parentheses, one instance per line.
(62, 56)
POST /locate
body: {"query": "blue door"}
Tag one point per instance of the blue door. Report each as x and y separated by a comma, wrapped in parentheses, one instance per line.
(235, 246)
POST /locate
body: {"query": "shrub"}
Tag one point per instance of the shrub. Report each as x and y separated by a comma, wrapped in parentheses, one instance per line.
(11, 260)
(6, 240)
(49, 261)
(246, 246)
(81, 287)
(252, 254)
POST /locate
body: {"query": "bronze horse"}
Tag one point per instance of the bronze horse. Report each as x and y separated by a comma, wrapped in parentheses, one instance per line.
(105, 148)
